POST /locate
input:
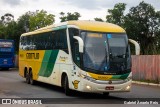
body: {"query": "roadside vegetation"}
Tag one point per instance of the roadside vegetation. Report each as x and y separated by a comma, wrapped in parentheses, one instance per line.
(142, 23)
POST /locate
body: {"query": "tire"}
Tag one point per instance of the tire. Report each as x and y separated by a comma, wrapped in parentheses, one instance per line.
(32, 82)
(27, 77)
(106, 94)
(5, 69)
(66, 86)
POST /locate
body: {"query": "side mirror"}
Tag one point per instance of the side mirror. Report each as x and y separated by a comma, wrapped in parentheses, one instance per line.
(137, 47)
(81, 43)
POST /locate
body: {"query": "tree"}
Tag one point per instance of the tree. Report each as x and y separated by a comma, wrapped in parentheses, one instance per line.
(23, 22)
(5, 21)
(11, 32)
(158, 33)
(15, 29)
(142, 24)
(63, 17)
(40, 19)
(69, 16)
(2, 31)
(7, 18)
(116, 15)
(98, 19)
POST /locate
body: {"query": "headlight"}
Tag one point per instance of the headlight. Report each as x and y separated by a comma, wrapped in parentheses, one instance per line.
(88, 87)
(128, 87)
(87, 78)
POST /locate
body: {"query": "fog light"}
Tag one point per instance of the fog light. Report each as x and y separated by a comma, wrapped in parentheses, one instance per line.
(88, 87)
(128, 87)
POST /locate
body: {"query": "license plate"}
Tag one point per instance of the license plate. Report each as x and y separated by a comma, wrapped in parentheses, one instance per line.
(109, 88)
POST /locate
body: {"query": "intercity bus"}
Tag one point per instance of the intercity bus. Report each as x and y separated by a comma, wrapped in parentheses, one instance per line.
(85, 56)
(7, 54)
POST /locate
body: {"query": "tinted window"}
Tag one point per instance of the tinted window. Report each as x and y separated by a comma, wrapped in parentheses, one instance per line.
(60, 40)
(45, 41)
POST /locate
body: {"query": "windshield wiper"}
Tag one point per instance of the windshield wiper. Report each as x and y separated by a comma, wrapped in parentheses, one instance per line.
(121, 56)
(91, 70)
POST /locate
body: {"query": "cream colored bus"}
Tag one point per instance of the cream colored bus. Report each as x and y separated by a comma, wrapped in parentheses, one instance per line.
(86, 56)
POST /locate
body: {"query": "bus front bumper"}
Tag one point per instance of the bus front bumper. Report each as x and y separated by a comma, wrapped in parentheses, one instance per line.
(6, 65)
(89, 86)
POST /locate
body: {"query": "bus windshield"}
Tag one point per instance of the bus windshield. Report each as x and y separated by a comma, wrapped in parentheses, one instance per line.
(6, 54)
(105, 53)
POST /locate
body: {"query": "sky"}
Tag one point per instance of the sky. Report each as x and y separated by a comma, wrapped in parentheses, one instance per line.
(88, 9)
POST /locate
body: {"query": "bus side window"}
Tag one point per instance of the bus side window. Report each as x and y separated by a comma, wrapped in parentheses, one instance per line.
(24, 40)
(63, 40)
(22, 43)
(60, 40)
(76, 54)
(27, 40)
(74, 46)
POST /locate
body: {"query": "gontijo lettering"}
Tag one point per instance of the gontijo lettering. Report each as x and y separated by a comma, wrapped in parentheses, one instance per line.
(32, 55)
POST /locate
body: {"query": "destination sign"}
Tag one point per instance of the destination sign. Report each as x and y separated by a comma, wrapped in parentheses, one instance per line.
(5, 44)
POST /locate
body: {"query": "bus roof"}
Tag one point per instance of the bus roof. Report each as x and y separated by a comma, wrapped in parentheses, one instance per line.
(83, 25)
(10, 40)
(96, 26)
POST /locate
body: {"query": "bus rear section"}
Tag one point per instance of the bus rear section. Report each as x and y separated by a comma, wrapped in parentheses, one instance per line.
(7, 58)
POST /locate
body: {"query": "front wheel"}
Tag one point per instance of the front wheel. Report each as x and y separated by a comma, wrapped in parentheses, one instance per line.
(106, 94)
(66, 86)
(27, 77)
(5, 69)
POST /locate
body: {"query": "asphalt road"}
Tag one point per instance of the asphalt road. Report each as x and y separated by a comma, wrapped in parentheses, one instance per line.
(14, 86)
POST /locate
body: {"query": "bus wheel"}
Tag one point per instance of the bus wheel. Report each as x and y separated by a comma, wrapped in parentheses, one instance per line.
(27, 77)
(5, 68)
(32, 82)
(66, 86)
(106, 94)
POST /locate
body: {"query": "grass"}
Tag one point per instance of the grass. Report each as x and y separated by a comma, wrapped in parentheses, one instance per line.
(149, 81)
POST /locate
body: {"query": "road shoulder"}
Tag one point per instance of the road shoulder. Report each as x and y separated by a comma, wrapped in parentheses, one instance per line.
(145, 83)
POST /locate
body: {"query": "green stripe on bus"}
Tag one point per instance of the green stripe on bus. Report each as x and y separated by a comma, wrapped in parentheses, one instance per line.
(60, 27)
(124, 76)
(116, 76)
(48, 63)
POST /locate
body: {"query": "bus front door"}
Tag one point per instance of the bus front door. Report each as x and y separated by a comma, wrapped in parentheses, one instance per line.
(75, 67)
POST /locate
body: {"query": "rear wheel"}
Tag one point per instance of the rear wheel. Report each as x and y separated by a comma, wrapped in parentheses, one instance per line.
(32, 82)
(66, 86)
